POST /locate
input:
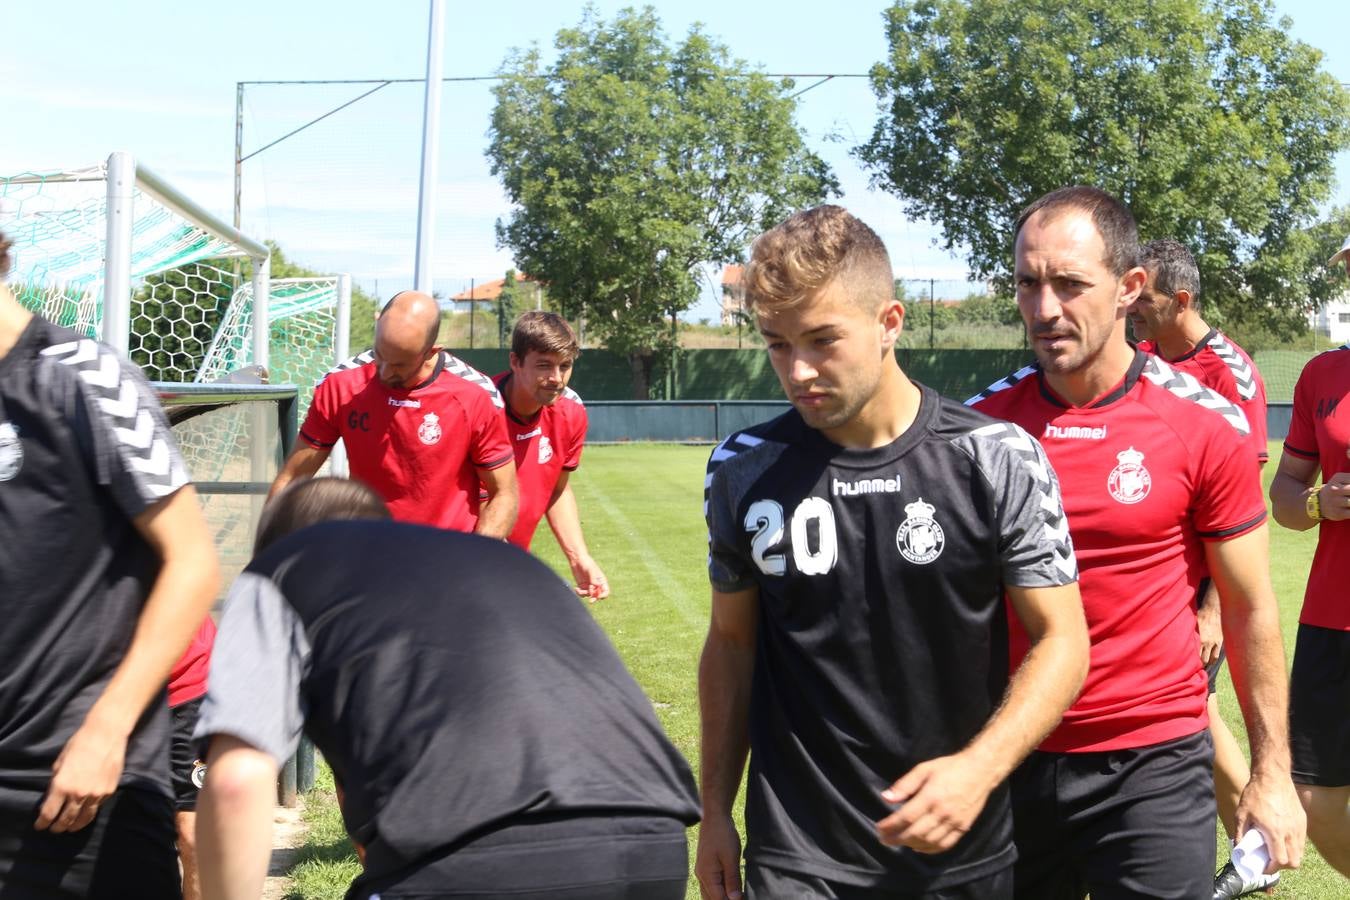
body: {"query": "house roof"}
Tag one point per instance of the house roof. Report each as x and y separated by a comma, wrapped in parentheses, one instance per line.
(731, 275)
(490, 290)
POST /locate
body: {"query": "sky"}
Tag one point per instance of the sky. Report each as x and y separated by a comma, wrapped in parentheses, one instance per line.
(159, 79)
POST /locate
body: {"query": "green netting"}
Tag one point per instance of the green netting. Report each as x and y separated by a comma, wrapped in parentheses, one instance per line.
(59, 225)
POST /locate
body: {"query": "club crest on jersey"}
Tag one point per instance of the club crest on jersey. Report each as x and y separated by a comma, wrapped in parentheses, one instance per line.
(11, 451)
(1129, 481)
(919, 538)
(545, 449)
(429, 432)
(198, 774)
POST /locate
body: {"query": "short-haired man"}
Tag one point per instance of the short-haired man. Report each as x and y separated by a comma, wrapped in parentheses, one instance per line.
(862, 545)
(106, 569)
(1165, 318)
(546, 422)
(485, 734)
(421, 436)
(1157, 479)
(1319, 439)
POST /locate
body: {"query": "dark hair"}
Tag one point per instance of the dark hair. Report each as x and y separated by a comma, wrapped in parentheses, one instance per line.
(314, 500)
(1172, 267)
(1112, 218)
(5, 259)
(545, 332)
(808, 250)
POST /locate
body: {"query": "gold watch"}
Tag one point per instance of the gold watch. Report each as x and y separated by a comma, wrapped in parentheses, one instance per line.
(1313, 505)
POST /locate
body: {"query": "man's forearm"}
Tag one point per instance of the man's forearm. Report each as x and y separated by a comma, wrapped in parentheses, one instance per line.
(1288, 502)
(179, 600)
(724, 675)
(234, 821)
(497, 516)
(1042, 688)
(565, 520)
(1256, 662)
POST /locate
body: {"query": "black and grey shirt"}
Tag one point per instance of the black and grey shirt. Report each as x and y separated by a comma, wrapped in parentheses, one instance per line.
(883, 633)
(84, 449)
(453, 682)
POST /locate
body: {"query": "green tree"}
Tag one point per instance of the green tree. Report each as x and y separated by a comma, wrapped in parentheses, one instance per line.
(507, 301)
(632, 160)
(1215, 126)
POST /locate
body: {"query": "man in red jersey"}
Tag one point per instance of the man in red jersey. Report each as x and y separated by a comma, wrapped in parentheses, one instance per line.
(187, 771)
(546, 423)
(1319, 438)
(420, 436)
(1166, 319)
(1156, 478)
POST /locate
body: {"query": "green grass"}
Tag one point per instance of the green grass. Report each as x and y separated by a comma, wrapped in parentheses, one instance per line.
(641, 506)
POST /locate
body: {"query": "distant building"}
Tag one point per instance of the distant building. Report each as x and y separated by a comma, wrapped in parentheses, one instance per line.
(489, 291)
(733, 294)
(1333, 319)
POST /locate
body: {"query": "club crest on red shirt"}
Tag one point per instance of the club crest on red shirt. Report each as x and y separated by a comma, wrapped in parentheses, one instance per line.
(1129, 481)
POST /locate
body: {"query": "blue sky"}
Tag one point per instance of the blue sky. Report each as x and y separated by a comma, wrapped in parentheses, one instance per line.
(158, 79)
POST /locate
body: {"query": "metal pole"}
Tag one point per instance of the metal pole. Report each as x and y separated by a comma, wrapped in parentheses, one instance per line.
(431, 130)
(238, 151)
(337, 462)
(472, 288)
(932, 313)
(262, 326)
(121, 183)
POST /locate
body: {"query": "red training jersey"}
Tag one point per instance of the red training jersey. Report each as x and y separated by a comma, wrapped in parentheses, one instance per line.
(1224, 367)
(1320, 430)
(546, 445)
(418, 448)
(187, 680)
(1148, 472)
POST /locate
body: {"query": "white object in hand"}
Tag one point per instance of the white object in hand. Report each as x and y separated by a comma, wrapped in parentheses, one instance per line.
(1250, 856)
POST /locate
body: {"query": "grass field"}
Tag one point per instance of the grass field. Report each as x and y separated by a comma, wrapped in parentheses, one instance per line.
(641, 507)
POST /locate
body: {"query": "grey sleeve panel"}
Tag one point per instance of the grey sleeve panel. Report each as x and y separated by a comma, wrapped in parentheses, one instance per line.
(259, 661)
(729, 569)
(1034, 542)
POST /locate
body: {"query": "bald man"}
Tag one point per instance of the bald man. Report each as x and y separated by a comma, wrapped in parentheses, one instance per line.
(420, 435)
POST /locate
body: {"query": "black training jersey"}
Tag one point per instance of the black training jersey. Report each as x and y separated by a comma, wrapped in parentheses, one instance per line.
(454, 683)
(84, 448)
(883, 633)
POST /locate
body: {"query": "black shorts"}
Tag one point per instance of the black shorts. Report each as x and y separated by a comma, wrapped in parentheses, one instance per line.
(1319, 707)
(544, 857)
(127, 853)
(765, 883)
(187, 768)
(1118, 824)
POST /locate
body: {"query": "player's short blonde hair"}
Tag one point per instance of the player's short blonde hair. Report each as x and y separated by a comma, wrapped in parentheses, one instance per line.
(812, 248)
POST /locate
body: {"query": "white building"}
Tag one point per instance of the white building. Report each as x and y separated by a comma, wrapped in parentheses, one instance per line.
(1333, 320)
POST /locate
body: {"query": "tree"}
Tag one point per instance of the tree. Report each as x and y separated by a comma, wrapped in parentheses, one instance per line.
(1203, 115)
(631, 161)
(506, 306)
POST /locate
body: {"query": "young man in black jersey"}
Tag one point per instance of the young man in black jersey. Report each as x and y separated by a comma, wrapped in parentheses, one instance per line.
(862, 546)
(486, 736)
(106, 570)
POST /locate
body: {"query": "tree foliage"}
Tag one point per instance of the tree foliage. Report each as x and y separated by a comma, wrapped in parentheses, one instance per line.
(506, 304)
(631, 160)
(1214, 125)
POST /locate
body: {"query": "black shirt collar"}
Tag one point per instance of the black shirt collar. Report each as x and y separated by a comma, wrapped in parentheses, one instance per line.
(1126, 385)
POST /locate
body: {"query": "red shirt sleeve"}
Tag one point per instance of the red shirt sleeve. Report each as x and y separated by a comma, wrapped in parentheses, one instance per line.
(1255, 411)
(1229, 500)
(1301, 440)
(577, 439)
(320, 429)
(490, 447)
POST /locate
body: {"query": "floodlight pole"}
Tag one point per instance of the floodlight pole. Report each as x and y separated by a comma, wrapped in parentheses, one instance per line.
(431, 132)
(121, 185)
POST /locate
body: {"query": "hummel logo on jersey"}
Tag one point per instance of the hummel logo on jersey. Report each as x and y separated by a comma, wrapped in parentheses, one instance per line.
(864, 486)
(411, 404)
(529, 434)
(1079, 432)
(1129, 481)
